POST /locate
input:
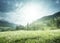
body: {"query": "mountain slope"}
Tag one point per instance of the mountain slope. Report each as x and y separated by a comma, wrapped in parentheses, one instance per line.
(6, 24)
(47, 22)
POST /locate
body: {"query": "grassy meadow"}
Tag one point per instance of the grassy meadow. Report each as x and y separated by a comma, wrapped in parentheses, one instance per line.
(23, 36)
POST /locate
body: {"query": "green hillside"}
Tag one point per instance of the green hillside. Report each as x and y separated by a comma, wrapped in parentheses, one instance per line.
(50, 22)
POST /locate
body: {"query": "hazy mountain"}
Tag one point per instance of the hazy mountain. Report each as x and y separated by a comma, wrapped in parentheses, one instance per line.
(47, 22)
(4, 23)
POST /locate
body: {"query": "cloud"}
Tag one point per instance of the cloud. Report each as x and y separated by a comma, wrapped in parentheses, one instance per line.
(8, 5)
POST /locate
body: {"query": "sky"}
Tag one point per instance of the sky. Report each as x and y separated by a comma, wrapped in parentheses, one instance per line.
(27, 11)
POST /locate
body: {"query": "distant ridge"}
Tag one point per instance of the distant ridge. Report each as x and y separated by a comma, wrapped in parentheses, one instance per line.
(4, 23)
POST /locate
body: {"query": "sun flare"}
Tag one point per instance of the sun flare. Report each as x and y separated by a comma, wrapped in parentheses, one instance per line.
(30, 12)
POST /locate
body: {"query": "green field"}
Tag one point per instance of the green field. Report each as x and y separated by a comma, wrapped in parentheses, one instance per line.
(22, 36)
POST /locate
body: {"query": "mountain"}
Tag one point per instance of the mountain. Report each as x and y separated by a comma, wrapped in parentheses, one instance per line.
(53, 16)
(7, 26)
(4, 23)
(46, 22)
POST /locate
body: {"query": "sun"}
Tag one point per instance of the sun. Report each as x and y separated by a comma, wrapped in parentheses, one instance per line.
(30, 12)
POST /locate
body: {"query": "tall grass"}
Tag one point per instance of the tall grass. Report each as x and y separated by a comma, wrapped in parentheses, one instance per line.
(47, 36)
